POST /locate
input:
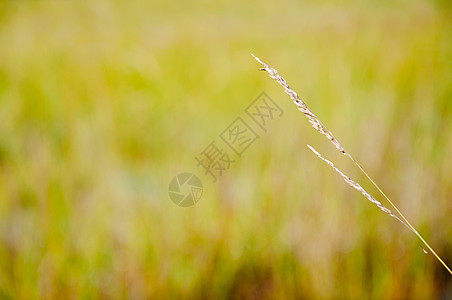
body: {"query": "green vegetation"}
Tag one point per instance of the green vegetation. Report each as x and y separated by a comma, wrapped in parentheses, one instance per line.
(102, 103)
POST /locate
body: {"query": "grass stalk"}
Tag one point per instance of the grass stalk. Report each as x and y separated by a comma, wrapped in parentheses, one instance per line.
(320, 127)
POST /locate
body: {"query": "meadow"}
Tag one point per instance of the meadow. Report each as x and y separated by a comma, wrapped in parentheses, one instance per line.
(103, 102)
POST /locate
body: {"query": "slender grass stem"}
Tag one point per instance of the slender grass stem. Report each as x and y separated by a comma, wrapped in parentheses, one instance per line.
(320, 127)
(400, 213)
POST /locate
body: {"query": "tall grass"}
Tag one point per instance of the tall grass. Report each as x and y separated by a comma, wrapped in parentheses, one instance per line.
(318, 125)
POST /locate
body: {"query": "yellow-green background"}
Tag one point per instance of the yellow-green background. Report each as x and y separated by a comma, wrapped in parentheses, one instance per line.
(102, 103)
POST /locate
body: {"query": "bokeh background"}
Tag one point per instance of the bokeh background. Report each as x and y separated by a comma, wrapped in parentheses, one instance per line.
(102, 103)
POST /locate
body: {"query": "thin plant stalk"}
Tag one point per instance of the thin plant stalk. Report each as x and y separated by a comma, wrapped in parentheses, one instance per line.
(358, 187)
(320, 127)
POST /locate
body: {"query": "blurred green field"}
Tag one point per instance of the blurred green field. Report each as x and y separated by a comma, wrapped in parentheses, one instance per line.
(102, 103)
